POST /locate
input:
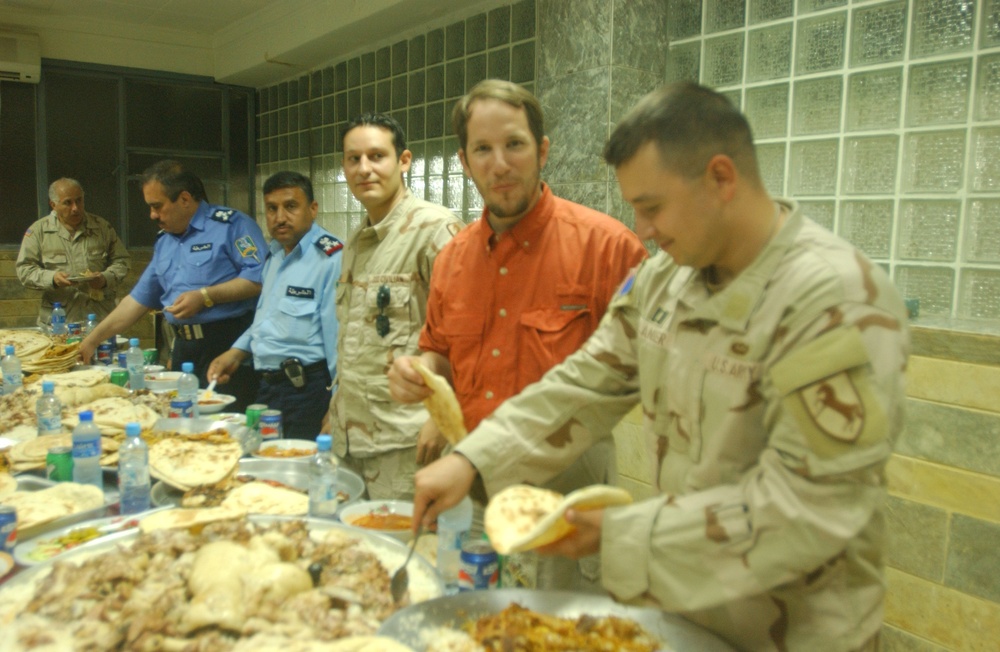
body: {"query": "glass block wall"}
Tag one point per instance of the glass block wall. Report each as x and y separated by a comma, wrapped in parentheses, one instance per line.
(881, 117)
(416, 81)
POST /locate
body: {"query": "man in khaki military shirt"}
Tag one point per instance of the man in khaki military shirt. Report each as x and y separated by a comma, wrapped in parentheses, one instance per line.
(767, 355)
(381, 306)
(70, 243)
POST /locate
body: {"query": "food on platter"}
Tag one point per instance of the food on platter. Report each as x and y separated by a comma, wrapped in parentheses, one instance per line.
(184, 518)
(85, 276)
(30, 454)
(59, 357)
(214, 403)
(88, 377)
(111, 415)
(391, 517)
(268, 643)
(286, 448)
(443, 405)
(45, 547)
(383, 521)
(187, 461)
(265, 498)
(27, 343)
(63, 499)
(522, 517)
(232, 584)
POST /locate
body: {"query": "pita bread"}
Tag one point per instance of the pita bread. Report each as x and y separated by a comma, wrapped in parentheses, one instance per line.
(443, 405)
(522, 517)
(72, 396)
(172, 519)
(111, 415)
(185, 462)
(27, 343)
(37, 507)
(269, 642)
(80, 378)
(262, 498)
(8, 484)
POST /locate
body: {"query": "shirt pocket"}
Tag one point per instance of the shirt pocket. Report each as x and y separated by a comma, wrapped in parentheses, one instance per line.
(464, 333)
(395, 313)
(294, 318)
(549, 335)
(96, 260)
(57, 261)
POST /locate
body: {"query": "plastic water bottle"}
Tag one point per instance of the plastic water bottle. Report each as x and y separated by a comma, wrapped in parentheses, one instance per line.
(187, 387)
(87, 452)
(48, 410)
(323, 480)
(136, 364)
(90, 325)
(133, 472)
(453, 524)
(13, 379)
(58, 319)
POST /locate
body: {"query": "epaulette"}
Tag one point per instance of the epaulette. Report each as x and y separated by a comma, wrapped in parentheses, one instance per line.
(223, 215)
(329, 245)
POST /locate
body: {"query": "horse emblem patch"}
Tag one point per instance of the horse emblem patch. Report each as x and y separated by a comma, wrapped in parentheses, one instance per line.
(835, 406)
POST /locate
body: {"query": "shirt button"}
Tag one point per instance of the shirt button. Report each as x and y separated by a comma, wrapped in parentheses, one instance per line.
(503, 271)
(525, 243)
(496, 353)
(489, 394)
(503, 312)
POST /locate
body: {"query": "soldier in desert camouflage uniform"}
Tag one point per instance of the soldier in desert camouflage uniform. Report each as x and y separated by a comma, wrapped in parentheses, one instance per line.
(381, 306)
(767, 355)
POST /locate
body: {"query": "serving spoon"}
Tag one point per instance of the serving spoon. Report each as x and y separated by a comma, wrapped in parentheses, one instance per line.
(401, 579)
(211, 386)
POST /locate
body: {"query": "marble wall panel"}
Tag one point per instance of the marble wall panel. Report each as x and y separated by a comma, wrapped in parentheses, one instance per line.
(918, 538)
(628, 86)
(639, 34)
(968, 439)
(974, 558)
(593, 195)
(577, 124)
(576, 36)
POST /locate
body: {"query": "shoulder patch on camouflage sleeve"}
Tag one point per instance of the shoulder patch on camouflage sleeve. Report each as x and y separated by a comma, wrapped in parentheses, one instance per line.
(223, 215)
(329, 245)
(28, 232)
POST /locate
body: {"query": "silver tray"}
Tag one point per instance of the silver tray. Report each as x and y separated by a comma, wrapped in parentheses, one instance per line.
(452, 611)
(35, 483)
(294, 473)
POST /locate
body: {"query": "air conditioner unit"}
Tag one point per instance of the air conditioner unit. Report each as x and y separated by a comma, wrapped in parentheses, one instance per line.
(20, 57)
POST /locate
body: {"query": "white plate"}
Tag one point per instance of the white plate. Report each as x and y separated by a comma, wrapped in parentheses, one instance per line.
(285, 444)
(232, 418)
(217, 403)
(107, 526)
(162, 380)
(351, 513)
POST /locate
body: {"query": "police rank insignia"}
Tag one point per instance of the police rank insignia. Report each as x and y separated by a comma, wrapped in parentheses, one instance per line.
(246, 247)
(223, 215)
(304, 293)
(329, 245)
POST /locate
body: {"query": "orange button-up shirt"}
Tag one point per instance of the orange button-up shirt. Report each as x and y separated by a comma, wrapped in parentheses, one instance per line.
(506, 308)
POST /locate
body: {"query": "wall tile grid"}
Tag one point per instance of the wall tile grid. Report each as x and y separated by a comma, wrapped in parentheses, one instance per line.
(416, 81)
(883, 117)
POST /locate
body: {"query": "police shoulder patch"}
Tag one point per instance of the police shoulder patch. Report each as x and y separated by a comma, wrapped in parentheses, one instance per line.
(223, 215)
(329, 245)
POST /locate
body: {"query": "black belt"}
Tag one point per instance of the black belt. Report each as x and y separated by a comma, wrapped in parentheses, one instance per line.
(201, 331)
(275, 376)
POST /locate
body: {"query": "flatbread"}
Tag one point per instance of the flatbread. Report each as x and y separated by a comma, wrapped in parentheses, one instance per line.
(111, 415)
(443, 405)
(522, 517)
(80, 378)
(262, 498)
(63, 499)
(186, 462)
(8, 484)
(171, 519)
(27, 343)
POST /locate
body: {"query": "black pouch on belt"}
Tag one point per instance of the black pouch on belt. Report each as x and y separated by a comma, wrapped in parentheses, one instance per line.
(294, 371)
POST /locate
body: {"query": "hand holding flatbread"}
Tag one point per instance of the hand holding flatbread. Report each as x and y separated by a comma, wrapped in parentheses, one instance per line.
(443, 405)
(523, 517)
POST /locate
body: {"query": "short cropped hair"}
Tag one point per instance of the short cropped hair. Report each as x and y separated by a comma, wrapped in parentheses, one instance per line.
(54, 194)
(289, 179)
(175, 179)
(505, 91)
(382, 120)
(689, 124)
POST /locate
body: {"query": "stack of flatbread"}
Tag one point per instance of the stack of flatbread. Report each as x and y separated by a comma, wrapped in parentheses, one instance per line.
(37, 507)
(30, 454)
(188, 461)
(522, 517)
(8, 483)
(28, 344)
(57, 358)
(111, 414)
(443, 405)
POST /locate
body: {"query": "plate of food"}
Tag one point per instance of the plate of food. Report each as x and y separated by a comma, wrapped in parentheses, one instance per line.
(43, 505)
(85, 276)
(161, 381)
(312, 580)
(566, 620)
(284, 449)
(391, 517)
(214, 402)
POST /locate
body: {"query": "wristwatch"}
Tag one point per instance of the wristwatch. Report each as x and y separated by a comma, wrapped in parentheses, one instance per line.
(208, 300)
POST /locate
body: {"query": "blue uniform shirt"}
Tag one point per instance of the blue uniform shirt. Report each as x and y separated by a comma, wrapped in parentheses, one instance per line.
(220, 244)
(297, 309)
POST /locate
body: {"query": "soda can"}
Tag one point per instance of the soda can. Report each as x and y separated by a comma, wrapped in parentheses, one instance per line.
(73, 328)
(479, 566)
(253, 414)
(180, 409)
(270, 425)
(105, 354)
(59, 463)
(8, 529)
(119, 377)
(150, 356)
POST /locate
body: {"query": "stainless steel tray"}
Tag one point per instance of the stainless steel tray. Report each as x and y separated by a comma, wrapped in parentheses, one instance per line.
(35, 483)
(294, 473)
(452, 611)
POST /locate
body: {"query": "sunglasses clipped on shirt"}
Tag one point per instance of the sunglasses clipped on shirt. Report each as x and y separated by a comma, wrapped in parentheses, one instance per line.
(382, 301)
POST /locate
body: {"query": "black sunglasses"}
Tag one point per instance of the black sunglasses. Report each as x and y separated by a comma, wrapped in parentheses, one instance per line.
(382, 301)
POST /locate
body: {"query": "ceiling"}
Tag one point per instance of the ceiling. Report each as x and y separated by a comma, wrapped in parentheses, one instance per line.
(246, 42)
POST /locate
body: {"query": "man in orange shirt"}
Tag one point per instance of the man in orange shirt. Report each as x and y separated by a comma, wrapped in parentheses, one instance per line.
(517, 291)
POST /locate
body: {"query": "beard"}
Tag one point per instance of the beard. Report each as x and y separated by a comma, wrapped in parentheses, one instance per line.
(503, 212)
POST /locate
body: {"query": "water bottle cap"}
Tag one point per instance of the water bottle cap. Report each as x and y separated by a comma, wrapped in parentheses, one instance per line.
(188, 367)
(48, 386)
(132, 429)
(133, 341)
(9, 349)
(86, 415)
(92, 317)
(324, 443)
(56, 305)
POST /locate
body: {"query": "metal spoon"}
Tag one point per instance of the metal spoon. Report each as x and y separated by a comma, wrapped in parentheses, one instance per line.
(401, 579)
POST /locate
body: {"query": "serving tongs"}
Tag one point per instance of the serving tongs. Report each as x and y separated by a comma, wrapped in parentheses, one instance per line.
(401, 579)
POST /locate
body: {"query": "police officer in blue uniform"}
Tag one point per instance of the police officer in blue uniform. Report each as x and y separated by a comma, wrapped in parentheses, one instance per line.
(293, 338)
(205, 274)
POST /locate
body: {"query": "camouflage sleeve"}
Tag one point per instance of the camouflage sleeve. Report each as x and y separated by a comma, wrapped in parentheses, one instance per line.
(29, 267)
(440, 236)
(540, 432)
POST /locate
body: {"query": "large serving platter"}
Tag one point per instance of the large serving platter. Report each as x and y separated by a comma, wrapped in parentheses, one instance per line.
(34, 483)
(416, 623)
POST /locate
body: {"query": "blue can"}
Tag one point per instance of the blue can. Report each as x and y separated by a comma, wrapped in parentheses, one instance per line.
(181, 409)
(105, 354)
(73, 329)
(8, 529)
(479, 566)
(122, 361)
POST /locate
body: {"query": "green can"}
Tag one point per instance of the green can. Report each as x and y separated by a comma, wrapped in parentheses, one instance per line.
(119, 377)
(151, 356)
(253, 414)
(59, 463)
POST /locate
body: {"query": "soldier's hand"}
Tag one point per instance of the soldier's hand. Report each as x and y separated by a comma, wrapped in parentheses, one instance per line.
(186, 305)
(441, 485)
(430, 443)
(61, 280)
(406, 385)
(584, 540)
(98, 282)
